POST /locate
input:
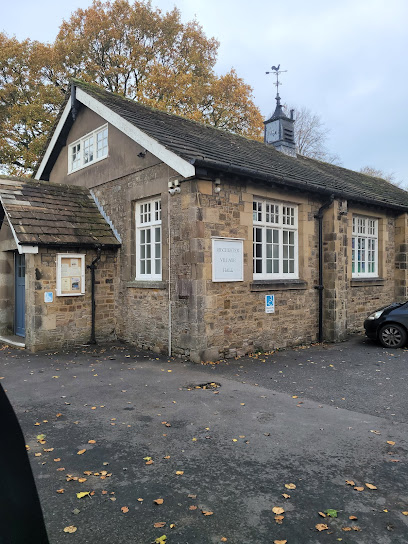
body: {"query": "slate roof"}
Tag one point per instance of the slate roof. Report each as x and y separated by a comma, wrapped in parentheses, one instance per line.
(208, 147)
(47, 214)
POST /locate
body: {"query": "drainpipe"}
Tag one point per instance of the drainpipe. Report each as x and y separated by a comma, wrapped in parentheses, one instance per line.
(320, 287)
(92, 268)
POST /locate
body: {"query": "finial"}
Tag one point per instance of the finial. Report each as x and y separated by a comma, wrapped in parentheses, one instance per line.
(276, 71)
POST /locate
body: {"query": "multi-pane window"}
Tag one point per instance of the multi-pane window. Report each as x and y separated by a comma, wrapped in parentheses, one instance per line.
(90, 148)
(148, 240)
(364, 249)
(275, 240)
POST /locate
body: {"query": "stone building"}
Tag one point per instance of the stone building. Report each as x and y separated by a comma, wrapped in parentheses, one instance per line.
(228, 245)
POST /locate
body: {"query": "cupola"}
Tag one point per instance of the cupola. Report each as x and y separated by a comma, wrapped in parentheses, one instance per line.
(279, 129)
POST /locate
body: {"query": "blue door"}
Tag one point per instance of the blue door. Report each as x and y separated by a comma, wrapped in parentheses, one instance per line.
(20, 295)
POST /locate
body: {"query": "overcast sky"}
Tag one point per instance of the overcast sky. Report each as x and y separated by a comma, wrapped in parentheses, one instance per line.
(346, 61)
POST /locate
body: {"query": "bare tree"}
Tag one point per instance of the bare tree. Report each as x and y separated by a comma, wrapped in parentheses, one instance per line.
(311, 135)
(377, 173)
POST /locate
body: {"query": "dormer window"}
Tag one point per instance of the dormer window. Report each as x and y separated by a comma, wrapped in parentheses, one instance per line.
(89, 149)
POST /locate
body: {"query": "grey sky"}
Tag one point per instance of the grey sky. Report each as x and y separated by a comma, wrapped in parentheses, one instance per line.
(345, 61)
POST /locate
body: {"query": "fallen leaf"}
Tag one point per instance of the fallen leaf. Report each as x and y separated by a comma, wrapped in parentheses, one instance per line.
(166, 457)
(40, 436)
(391, 442)
(37, 454)
(88, 472)
(57, 460)
(279, 541)
(179, 472)
(371, 486)
(91, 441)
(158, 501)
(321, 527)
(290, 486)
(223, 539)
(82, 480)
(192, 507)
(172, 525)
(161, 540)
(192, 496)
(278, 510)
(70, 529)
(359, 488)
(285, 496)
(60, 490)
(207, 513)
(279, 519)
(61, 469)
(159, 524)
(322, 514)
(48, 449)
(346, 529)
(58, 415)
(80, 452)
(355, 528)
(140, 499)
(150, 462)
(331, 513)
(404, 513)
(375, 432)
(350, 482)
(353, 518)
(125, 509)
(83, 494)
(104, 492)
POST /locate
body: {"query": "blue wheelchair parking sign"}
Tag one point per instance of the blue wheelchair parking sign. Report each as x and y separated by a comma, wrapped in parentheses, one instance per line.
(270, 304)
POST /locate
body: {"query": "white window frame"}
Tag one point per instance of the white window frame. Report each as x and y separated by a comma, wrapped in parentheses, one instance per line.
(81, 258)
(148, 224)
(365, 235)
(282, 219)
(92, 141)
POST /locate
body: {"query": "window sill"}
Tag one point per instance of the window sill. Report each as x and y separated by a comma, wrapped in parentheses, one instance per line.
(147, 284)
(278, 285)
(364, 282)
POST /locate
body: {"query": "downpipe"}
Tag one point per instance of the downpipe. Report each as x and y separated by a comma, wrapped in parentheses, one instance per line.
(92, 267)
(320, 287)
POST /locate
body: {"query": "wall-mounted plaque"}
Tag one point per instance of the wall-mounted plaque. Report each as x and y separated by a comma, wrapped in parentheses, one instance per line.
(227, 259)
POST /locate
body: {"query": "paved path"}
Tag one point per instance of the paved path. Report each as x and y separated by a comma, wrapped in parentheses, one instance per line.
(312, 417)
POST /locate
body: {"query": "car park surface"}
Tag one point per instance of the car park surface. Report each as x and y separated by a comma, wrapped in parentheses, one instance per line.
(314, 417)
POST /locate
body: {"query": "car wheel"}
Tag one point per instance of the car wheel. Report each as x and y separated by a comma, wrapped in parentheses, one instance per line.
(393, 336)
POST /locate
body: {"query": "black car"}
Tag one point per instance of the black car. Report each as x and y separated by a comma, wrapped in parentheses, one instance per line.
(389, 325)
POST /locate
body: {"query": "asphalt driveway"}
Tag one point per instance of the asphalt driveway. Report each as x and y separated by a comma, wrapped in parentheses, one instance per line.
(284, 430)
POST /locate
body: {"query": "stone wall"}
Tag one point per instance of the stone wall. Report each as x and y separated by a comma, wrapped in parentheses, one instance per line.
(67, 320)
(142, 307)
(7, 249)
(233, 314)
(364, 296)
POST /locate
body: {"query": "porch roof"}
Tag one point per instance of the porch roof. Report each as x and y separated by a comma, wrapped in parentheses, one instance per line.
(45, 214)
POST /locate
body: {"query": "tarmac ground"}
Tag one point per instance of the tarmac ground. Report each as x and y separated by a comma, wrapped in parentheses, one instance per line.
(243, 451)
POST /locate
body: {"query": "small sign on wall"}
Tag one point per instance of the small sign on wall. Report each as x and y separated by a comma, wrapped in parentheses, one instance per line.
(48, 296)
(270, 304)
(227, 259)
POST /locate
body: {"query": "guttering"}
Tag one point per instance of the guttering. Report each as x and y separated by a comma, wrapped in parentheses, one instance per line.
(320, 287)
(300, 185)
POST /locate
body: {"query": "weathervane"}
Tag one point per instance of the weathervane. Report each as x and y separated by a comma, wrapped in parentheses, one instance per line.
(276, 71)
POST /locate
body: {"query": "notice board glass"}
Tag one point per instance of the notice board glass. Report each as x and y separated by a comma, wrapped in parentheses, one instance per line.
(70, 275)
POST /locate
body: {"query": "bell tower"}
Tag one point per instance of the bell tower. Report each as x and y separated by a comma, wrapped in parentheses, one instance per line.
(279, 129)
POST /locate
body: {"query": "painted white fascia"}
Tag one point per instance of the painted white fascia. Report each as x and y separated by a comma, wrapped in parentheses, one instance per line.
(178, 164)
(54, 139)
